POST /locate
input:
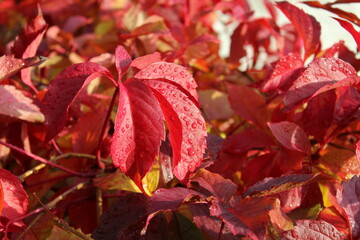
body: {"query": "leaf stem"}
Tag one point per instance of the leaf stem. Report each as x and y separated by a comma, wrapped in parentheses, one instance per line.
(47, 162)
(99, 203)
(101, 136)
(221, 230)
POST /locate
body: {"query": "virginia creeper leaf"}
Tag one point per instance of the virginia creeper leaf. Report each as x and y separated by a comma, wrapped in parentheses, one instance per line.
(14, 104)
(349, 27)
(15, 200)
(285, 71)
(171, 72)
(139, 129)
(143, 61)
(313, 229)
(62, 91)
(9, 65)
(349, 199)
(306, 25)
(248, 104)
(321, 72)
(291, 136)
(186, 126)
(27, 43)
(122, 61)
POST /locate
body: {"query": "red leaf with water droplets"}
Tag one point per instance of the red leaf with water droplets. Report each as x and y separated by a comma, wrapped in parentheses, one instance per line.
(122, 61)
(350, 28)
(139, 129)
(306, 25)
(349, 199)
(27, 43)
(313, 229)
(186, 126)
(173, 73)
(9, 65)
(285, 71)
(62, 91)
(291, 136)
(321, 72)
(143, 61)
(15, 201)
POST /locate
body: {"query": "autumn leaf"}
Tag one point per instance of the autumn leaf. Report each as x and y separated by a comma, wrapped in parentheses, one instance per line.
(14, 104)
(349, 27)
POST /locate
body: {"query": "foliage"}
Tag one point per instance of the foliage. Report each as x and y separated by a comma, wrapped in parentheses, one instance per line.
(124, 122)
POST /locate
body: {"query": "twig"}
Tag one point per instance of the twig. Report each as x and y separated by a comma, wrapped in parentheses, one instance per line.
(99, 203)
(101, 136)
(47, 162)
(221, 229)
(33, 222)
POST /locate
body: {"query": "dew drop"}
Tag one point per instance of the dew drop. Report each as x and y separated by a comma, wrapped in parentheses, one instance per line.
(127, 125)
(191, 151)
(123, 130)
(186, 109)
(193, 125)
(190, 141)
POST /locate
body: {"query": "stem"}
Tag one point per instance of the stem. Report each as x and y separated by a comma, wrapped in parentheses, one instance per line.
(56, 147)
(221, 229)
(33, 222)
(47, 162)
(101, 137)
(99, 203)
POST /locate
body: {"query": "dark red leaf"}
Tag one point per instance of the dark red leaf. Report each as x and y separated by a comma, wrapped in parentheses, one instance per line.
(14, 104)
(271, 186)
(15, 200)
(306, 25)
(284, 73)
(221, 188)
(291, 136)
(63, 90)
(349, 27)
(143, 61)
(186, 126)
(318, 115)
(139, 130)
(347, 105)
(349, 199)
(27, 43)
(249, 104)
(321, 72)
(122, 61)
(313, 229)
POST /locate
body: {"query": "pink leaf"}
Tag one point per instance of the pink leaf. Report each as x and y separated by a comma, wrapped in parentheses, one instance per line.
(350, 28)
(313, 229)
(122, 61)
(321, 72)
(9, 65)
(358, 150)
(349, 199)
(62, 91)
(171, 72)
(291, 136)
(143, 61)
(14, 104)
(285, 71)
(15, 200)
(27, 43)
(186, 126)
(306, 25)
(139, 129)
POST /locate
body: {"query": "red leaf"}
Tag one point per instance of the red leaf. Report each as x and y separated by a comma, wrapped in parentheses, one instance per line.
(221, 188)
(142, 62)
(291, 136)
(139, 129)
(306, 25)
(122, 61)
(321, 72)
(27, 43)
(63, 90)
(186, 126)
(248, 104)
(349, 27)
(313, 229)
(347, 105)
(9, 65)
(284, 73)
(171, 72)
(14, 104)
(358, 150)
(349, 199)
(15, 200)
(318, 115)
